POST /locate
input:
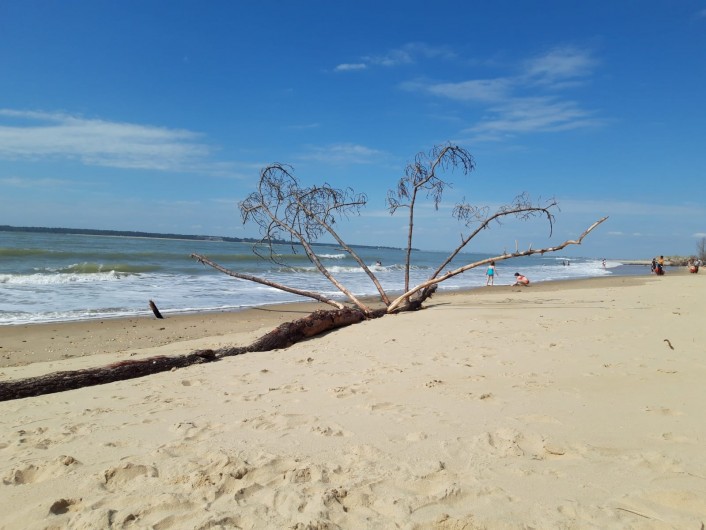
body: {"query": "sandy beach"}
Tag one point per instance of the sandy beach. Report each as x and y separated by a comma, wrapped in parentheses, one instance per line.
(563, 405)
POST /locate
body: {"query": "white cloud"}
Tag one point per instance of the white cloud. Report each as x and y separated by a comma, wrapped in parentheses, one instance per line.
(391, 58)
(347, 67)
(482, 90)
(699, 235)
(527, 102)
(344, 153)
(37, 135)
(406, 54)
(559, 65)
(525, 115)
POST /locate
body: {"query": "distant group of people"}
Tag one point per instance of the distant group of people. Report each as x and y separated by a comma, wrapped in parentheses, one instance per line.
(658, 265)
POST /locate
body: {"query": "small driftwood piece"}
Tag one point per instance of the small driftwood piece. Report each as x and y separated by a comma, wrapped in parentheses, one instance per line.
(281, 337)
(154, 309)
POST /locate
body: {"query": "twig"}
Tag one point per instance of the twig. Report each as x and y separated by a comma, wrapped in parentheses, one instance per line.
(636, 513)
(154, 309)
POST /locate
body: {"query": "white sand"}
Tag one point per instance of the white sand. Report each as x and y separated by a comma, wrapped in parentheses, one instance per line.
(554, 406)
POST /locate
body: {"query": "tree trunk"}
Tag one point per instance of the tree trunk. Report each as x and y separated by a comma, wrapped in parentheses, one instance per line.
(281, 337)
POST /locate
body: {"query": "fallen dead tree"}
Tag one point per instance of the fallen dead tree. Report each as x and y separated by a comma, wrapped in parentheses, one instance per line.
(281, 337)
(284, 210)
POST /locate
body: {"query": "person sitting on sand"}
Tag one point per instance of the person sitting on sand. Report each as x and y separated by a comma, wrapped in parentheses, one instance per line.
(521, 280)
(693, 265)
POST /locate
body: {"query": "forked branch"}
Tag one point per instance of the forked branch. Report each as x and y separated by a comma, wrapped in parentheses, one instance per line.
(425, 285)
(242, 276)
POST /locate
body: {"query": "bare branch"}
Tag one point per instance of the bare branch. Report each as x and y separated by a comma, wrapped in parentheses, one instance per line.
(282, 207)
(242, 276)
(421, 176)
(521, 207)
(396, 303)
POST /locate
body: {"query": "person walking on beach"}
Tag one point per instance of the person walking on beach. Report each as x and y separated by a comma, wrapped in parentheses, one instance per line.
(490, 273)
(521, 280)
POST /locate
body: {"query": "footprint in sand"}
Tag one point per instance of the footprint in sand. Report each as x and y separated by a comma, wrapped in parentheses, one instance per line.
(328, 430)
(289, 389)
(416, 436)
(63, 506)
(116, 477)
(192, 382)
(671, 437)
(188, 430)
(32, 474)
(509, 443)
(274, 421)
(347, 391)
(383, 406)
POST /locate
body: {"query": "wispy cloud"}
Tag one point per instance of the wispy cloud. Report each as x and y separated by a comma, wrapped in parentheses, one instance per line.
(94, 142)
(407, 54)
(558, 67)
(25, 183)
(525, 115)
(348, 67)
(528, 101)
(480, 90)
(344, 153)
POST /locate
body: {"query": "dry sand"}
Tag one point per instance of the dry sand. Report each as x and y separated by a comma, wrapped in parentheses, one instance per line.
(566, 405)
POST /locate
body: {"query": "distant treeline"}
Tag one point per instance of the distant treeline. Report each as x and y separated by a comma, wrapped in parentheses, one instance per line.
(130, 233)
(124, 233)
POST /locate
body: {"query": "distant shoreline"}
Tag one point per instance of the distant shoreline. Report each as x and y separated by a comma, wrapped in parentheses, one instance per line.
(157, 235)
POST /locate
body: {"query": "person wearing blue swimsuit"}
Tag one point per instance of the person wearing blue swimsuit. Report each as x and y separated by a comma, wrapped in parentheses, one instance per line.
(490, 273)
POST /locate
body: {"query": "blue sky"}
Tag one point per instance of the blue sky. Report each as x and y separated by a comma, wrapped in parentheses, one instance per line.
(158, 115)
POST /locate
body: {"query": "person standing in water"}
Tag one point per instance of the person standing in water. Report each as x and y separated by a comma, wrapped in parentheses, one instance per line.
(490, 273)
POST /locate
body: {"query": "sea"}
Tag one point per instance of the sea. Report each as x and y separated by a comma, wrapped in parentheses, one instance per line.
(53, 277)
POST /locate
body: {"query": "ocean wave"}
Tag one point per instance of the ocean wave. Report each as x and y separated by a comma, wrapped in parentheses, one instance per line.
(10, 253)
(59, 278)
(97, 268)
(353, 269)
(27, 252)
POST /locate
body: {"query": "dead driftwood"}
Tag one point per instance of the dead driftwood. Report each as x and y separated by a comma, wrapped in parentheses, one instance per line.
(154, 309)
(281, 337)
